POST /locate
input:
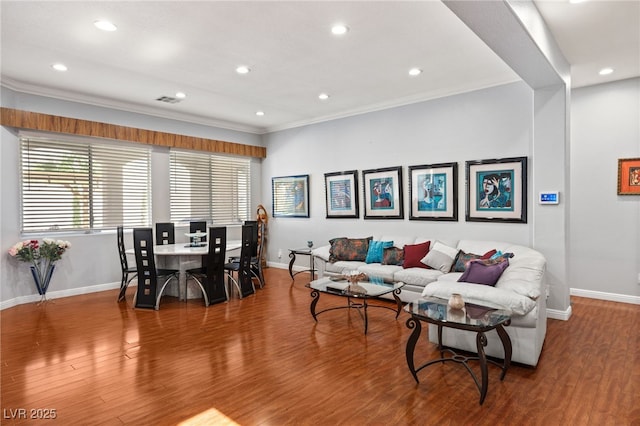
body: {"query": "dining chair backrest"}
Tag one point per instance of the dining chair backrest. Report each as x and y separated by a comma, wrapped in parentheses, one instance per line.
(165, 233)
(215, 260)
(254, 227)
(199, 226)
(124, 264)
(246, 250)
(146, 266)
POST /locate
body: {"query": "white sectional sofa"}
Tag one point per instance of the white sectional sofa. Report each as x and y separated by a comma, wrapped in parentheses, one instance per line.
(521, 288)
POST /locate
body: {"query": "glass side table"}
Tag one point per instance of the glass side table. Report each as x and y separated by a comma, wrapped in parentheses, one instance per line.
(475, 318)
(292, 259)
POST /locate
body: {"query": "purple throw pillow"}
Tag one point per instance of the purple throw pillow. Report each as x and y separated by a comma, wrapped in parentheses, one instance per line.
(480, 272)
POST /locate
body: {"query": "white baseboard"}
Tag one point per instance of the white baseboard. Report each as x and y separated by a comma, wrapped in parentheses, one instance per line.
(558, 314)
(33, 298)
(613, 297)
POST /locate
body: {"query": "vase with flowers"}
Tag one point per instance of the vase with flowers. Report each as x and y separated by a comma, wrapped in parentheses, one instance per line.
(42, 258)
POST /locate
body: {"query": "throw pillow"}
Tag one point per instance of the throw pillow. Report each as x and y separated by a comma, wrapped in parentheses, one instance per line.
(440, 257)
(501, 255)
(393, 256)
(349, 249)
(485, 272)
(463, 259)
(413, 253)
(374, 254)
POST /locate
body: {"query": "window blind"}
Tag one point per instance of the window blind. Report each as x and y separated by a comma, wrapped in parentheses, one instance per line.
(69, 185)
(209, 187)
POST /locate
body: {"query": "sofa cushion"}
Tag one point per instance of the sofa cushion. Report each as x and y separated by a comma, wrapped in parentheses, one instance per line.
(342, 266)
(393, 256)
(440, 257)
(485, 272)
(413, 254)
(417, 276)
(377, 270)
(374, 254)
(349, 249)
(482, 295)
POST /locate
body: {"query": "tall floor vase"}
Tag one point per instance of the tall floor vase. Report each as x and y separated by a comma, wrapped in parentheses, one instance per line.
(42, 278)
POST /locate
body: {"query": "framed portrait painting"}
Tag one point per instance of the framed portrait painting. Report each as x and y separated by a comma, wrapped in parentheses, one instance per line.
(341, 189)
(433, 191)
(383, 193)
(290, 196)
(497, 190)
(629, 176)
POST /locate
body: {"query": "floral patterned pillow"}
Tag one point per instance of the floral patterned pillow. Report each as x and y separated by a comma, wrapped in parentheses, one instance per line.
(463, 259)
(349, 249)
(393, 256)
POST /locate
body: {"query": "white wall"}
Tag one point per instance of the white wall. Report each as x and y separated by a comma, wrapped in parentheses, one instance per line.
(485, 124)
(92, 262)
(604, 249)
(605, 227)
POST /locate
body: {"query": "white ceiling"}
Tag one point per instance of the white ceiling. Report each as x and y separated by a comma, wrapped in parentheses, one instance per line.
(162, 47)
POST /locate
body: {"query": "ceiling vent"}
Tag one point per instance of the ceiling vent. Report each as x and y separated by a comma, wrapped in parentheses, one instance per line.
(168, 99)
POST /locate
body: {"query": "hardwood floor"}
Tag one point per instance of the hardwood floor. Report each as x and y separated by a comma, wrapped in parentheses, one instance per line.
(263, 361)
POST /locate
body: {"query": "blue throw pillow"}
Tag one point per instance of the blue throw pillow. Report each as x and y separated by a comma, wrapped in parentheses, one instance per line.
(376, 250)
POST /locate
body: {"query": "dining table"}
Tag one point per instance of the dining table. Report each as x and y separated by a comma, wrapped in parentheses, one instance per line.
(184, 256)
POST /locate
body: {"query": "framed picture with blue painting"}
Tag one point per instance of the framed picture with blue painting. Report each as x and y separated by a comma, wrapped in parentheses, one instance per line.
(434, 192)
(341, 189)
(497, 190)
(383, 193)
(290, 196)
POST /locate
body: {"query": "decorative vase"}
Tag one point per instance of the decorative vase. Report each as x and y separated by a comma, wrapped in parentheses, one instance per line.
(42, 278)
(353, 277)
(456, 301)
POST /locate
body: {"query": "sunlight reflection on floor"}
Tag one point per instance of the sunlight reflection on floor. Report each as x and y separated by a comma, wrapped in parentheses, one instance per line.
(209, 417)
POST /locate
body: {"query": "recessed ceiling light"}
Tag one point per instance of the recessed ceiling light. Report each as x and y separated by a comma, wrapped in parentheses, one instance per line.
(339, 29)
(242, 69)
(605, 71)
(415, 71)
(323, 96)
(576, 1)
(104, 25)
(59, 67)
(259, 113)
(181, 95)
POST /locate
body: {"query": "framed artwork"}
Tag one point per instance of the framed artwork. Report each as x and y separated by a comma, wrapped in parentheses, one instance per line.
(341, 189)
(497, 190)
(433, 192)
(290, 196)
(629, 176)
(383, 193)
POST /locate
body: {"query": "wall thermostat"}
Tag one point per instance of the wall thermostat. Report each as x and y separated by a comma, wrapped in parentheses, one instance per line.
(549, 197)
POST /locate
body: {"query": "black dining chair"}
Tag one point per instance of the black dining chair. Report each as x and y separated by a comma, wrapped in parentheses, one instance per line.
(257, 254)
(165, 233)
(128, 273)
(147, 293)
(243, 279)
(211, 276)
(199, 226)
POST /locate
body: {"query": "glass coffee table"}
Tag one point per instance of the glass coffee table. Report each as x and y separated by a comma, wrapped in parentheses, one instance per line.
(357, 297)
(478, 319)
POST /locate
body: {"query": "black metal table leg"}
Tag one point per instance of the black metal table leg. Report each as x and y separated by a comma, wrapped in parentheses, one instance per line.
(398, 301)
(316, 296)
(292, 257)
(411, 345)
(506, 344)
(481, 342)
